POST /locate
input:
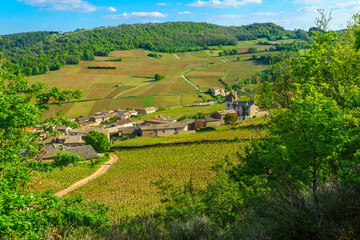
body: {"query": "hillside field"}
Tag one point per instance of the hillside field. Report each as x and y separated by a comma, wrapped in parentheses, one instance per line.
(132, 83)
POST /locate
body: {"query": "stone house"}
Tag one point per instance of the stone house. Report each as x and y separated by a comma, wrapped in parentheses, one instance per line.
(100, 118)
(144, 111)
(63, 129)
(218, 91)
(244, 109)
(221, 115)
(83, 131)
(87, 151)
(210, 120)
(122, 123)
(163, 129)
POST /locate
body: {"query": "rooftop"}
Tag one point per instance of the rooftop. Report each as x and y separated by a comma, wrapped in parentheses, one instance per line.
(164, 126)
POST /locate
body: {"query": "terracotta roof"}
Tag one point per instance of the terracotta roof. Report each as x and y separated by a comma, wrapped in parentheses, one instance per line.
(62, 128)
(88, 123)
(123, 121)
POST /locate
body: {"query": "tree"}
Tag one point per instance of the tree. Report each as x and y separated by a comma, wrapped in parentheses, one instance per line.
(158, 77)
(29, 214)
(98, 141)
(252, 50)
(314, 136)
(229, 119)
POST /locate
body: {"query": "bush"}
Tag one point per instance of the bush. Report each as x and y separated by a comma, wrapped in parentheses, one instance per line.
(98, 141)
(206, 129)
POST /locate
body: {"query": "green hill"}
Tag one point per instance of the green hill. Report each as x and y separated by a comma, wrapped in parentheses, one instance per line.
(38, 52)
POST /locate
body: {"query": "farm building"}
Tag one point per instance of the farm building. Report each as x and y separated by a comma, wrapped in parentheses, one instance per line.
(82, 119)
(210, 120)
(244, 109)
(163, 129)
(221, 115)
(122, 123)
(83, 131)
(160, 120)
(144, 111)
(63, 129)
(218, 91)
(66, 140)
(87, 152)
(100, 118)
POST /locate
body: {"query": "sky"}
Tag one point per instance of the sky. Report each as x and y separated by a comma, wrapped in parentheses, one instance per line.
(68, 15)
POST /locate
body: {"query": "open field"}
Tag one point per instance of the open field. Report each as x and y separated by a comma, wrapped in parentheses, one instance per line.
(134, 78)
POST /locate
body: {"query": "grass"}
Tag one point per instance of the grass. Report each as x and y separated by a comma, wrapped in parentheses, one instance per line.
(60, 179)
(187, 111)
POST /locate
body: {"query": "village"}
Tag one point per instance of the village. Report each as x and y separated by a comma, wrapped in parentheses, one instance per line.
(117, 124)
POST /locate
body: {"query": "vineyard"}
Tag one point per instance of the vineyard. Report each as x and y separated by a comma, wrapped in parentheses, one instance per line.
(222, 133)
(128, 187)
(130, 82)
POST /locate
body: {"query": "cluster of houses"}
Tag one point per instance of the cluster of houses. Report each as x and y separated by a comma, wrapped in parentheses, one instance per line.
(117, 123)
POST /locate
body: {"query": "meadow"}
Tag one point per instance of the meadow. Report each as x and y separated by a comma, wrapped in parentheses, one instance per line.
(132, 83)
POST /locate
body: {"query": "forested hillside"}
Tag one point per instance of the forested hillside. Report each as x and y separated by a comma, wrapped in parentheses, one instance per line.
(38, 52)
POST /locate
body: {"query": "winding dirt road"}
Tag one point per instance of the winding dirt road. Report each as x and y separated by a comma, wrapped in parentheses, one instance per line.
(102, 170)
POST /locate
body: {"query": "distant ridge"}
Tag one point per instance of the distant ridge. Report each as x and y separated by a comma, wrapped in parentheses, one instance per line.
(36, 53)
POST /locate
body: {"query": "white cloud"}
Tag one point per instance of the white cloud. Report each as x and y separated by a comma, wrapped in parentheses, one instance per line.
(344, 5)
(184, 12)
(62, 5)
(269, 14)
(136, 15)
(161, 4)
(308, 1)
(222, 4)
(311, 8)
(233, 16)
(283, 22)
(110, 9)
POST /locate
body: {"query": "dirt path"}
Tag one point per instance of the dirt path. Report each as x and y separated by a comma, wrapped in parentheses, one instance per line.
(103, 169)
(130, 90)
(186, 79)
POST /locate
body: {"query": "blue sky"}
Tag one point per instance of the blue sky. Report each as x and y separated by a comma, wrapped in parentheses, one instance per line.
(68, 15)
